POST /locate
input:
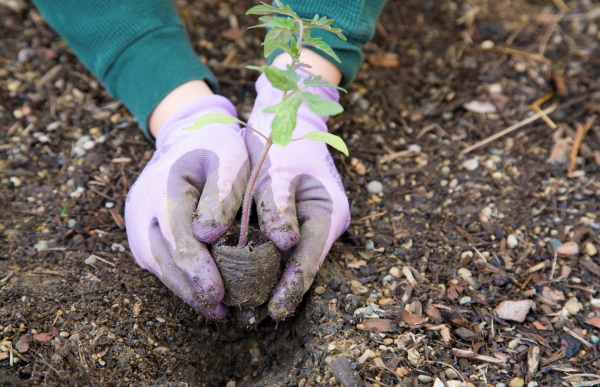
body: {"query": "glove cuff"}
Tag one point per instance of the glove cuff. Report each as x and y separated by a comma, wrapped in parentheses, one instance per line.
(189, 113)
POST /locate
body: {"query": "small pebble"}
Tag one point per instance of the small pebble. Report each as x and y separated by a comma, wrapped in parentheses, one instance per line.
(328, 359)
(425, 379)
(487, 45)
(16, 181)
(109, 205)
(41, 246)
(590, 249)
(320, 290)
(388, 278)
(375, 187)
(466, 254)
(595, 339)
(71, 223)
(162, 350)
(500, 385)
(64, 334)
(370, 246)
(101, 362)
(512, 241)
(569, 248)
(160, 319)
(532, 384)
(465, 300)
(395, 272)
(517, 382)
(365, 356)
(331, 347)
(451, 374)
(471, 164)
(496, 88)
(450, 383)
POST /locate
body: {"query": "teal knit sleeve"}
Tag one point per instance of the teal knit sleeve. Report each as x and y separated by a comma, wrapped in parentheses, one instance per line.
(139, 49)
(356, 18)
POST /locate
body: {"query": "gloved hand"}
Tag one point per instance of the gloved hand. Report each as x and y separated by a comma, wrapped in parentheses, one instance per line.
(210, 164)
(299, 196)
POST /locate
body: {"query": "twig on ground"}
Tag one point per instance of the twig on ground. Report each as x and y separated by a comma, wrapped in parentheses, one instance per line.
(510, 129)
(528, 55)
(472, 355)
(581, 132)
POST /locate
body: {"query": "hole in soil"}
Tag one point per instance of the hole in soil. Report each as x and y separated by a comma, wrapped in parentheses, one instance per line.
(270, 355)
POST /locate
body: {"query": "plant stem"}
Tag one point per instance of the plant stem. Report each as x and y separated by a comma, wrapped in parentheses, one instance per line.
(248, 193)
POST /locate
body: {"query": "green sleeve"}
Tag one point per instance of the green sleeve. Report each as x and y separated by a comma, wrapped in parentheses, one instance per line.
(139, 49)
(356, 18)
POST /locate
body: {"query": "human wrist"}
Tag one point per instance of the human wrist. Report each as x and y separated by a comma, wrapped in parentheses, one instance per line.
(176, 99)
(319, 65)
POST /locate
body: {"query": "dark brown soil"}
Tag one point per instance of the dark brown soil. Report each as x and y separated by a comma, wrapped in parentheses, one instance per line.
(125, 328)
(249, 273)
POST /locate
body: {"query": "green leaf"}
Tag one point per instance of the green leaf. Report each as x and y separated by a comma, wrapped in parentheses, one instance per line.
(63, 213)
(290, 73)
(280, 79)
(263, 9)
(320, 106)
(295, 50)
(272, 46)
(313, 81)
(277, 22)
(317, 43)
(214, 118)
(324, 24)
(285, 119)
(277, 34)
(328, 138)
(306, 33)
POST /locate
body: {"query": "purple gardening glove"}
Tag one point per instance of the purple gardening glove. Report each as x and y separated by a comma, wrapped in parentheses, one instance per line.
(299, 196)
(188, 195)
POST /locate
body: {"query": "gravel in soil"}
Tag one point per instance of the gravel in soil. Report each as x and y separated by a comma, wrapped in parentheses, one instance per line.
(477, 267)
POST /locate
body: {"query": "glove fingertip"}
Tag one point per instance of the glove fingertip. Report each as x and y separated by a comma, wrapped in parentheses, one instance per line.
(215, 313)
(284, 236)
(208, 231)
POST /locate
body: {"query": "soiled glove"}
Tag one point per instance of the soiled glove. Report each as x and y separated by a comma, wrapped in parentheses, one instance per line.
(165, 229)
(299, 196)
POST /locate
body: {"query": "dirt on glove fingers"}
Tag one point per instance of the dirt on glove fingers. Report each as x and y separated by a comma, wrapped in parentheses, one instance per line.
(249, 273)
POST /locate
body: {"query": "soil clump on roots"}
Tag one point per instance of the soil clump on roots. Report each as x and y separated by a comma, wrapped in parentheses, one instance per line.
(250, 272)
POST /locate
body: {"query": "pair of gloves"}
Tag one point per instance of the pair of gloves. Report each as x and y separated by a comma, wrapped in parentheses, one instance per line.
(192, 188)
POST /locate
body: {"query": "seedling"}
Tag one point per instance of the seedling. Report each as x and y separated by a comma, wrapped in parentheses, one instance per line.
(289, 33)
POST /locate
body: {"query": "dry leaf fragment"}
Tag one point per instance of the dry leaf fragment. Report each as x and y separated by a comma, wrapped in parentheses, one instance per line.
(357, 264)
(553, 294)
(472, 355)
(412, 320)
(380, 324)
(594, 321)
(233, 33)
(22, 344)
(514, 310)
(384, 59)
(539, 326)
(46, 336)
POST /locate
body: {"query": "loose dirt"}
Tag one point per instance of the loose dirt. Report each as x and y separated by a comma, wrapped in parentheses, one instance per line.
(442, 244)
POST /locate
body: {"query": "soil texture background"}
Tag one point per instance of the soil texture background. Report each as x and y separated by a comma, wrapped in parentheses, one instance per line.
(476, 267)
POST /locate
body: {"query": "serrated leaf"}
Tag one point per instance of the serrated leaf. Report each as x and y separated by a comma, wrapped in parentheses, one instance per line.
(285, 119)
(277, 22)
(318, 43)
(277, 34)
(324, 24)
(328, 138)
(293, 75)
(214, 118)
(295, 50)
(263, 9)
(313, 81)
(320, 106)
(280, 79)
(272, 46)
(306, 33)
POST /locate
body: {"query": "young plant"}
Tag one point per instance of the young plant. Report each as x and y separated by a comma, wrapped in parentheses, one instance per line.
(289, 33)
